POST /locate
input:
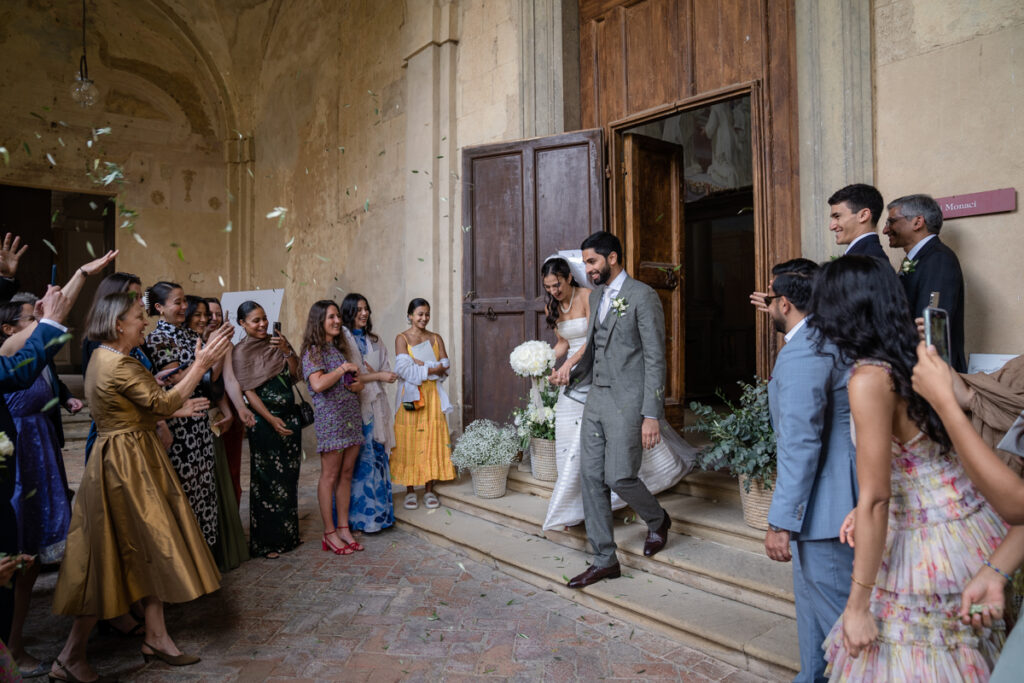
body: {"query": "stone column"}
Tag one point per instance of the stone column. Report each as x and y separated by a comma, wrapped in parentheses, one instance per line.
(432, 244)
(240, 158)
(550, 50)
(833, 53)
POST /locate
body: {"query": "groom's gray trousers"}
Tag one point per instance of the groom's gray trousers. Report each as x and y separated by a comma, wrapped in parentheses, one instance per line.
(611, 453)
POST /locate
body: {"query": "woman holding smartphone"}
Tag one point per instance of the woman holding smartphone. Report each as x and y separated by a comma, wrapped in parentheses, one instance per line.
(333, 381)
(266, 367)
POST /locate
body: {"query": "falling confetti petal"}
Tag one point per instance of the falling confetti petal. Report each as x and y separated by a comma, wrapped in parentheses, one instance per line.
(366, 206)
(290, 243)
(24, 362)
(61, 141)
(227, 228)
(181, 256)
(62, 339)
(101, 131)
(220, 279)
(49, 157)
(323, 258)
(51, 403)
(50, 245)
(138, 238)
(6, 155)
(53, 218)
(93, 205)
(27, 150)
(88, 248)
(88, 143)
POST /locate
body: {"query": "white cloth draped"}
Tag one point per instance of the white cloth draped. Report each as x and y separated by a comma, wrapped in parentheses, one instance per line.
(373, 399)
(411, 376)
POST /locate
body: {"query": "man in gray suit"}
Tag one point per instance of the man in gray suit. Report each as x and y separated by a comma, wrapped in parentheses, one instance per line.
(624, 367)
(817, 477)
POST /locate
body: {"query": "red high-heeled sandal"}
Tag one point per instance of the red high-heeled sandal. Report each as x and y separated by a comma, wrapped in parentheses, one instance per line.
(354, 545)
(326, 545)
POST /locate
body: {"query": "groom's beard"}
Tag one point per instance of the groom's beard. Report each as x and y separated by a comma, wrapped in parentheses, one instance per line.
(779, 322)
(603, 275)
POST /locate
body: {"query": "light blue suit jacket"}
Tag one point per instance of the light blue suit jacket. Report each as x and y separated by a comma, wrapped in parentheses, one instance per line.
(817, 480)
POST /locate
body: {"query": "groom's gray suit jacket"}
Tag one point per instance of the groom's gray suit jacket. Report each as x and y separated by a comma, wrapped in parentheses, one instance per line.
(627, 352)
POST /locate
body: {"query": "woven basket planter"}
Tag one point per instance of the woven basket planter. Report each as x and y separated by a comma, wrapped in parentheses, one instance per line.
(756, 504)
(542, 459)
(489, 481)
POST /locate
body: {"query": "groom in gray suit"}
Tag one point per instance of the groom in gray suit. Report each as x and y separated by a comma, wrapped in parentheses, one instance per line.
(624, 366)
(817, 475)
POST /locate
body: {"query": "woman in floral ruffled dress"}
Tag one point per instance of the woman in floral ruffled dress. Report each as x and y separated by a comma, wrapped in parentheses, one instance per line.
(922, 529)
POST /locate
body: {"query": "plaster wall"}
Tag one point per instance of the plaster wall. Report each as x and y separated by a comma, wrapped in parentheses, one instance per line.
(949, 94)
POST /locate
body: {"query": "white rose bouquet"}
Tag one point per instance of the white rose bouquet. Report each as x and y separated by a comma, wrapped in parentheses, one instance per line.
(6, 446)
(532, 359)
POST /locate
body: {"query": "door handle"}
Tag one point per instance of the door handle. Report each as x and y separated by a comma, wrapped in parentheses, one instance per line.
(491, 315)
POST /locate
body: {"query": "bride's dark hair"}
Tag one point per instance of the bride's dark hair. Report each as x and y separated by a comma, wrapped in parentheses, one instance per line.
(560, 267)
(859, 304)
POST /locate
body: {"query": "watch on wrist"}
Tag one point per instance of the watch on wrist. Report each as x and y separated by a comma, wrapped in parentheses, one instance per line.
(775, 528)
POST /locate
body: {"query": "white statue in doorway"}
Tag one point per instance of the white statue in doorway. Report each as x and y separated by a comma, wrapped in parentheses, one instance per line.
(724, 145)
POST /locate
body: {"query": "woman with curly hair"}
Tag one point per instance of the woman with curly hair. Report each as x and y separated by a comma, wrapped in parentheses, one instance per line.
(922, 529)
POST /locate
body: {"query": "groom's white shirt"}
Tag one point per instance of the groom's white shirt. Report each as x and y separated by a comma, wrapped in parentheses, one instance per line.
(610, 292)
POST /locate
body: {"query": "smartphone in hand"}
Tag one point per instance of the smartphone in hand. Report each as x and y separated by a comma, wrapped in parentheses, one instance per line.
(277, 328)
(936, 331)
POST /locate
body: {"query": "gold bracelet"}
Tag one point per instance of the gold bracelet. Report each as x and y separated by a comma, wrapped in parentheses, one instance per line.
(869, 586)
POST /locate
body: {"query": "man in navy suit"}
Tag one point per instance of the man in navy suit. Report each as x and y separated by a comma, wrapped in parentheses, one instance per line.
(929, 266)
(853, 216)
(817, 477)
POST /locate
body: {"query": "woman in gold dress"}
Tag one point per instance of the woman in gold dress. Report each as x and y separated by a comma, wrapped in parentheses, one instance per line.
(133, 535)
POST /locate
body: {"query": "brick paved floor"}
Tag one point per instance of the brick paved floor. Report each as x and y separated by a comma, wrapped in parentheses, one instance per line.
(403, 610)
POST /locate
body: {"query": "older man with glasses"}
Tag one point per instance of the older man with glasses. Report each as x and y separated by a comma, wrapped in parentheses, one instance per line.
(929, 266)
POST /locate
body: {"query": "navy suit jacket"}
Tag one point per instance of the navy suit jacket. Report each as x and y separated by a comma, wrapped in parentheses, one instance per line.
(817, 466)
(937, 269)
(868, 246)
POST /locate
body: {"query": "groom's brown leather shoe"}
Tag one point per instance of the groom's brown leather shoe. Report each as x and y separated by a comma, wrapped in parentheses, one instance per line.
(656, 539)
(595, 574)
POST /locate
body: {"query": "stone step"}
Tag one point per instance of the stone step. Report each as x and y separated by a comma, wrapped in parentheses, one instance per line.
(721, 569)
(712, 485)
(760, 641)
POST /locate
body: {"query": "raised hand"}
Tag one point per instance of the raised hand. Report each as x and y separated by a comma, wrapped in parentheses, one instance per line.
(932, 377)
(10, 254)
(95, 266)
(757, 301)
(55, 305)
(216, 347)
(193, 407)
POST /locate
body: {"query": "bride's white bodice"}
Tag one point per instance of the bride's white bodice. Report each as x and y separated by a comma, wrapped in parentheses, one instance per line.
(574, 331)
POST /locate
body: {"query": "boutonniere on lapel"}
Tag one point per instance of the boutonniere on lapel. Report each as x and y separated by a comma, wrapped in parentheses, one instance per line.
(619, 305)
(908, 266)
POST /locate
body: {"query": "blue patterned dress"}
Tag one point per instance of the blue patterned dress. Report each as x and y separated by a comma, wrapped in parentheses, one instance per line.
(40, 497)
(371, 507)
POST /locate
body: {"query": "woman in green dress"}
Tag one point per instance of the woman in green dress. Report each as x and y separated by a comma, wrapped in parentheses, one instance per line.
(266, 367)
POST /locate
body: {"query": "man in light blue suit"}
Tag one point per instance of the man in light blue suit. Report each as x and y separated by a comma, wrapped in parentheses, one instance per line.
(817, 477)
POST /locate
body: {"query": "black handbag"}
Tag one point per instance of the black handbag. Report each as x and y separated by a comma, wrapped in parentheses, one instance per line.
(306, 415)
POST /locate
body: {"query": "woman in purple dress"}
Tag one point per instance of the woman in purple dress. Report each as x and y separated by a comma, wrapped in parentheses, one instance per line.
(333, 381)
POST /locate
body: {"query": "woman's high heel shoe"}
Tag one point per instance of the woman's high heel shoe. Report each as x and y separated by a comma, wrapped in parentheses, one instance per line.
(326, 545)
(354, 545)
(173, 660)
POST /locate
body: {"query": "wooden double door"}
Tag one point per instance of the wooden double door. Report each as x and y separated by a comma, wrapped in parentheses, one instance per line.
(525, 200)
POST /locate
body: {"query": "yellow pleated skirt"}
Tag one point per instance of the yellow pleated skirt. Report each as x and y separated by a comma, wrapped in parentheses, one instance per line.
(423, 446)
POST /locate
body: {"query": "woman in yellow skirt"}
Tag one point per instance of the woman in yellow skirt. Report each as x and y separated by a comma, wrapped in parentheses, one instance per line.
(422, 454)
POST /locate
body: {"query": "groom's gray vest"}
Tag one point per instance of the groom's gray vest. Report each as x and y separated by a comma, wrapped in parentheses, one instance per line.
(601, 375)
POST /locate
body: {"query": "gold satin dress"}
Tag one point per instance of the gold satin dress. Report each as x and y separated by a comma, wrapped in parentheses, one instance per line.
(133, 533)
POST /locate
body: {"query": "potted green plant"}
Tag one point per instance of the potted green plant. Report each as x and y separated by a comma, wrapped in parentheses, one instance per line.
(743, 441)
(486, 449)
(535, 427)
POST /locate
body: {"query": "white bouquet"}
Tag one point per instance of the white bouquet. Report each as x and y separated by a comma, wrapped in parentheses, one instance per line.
(6, 447)
(532, 359)
(484, 443)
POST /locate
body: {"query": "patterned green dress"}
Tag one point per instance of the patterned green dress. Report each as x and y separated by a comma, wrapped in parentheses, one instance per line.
(274, 472)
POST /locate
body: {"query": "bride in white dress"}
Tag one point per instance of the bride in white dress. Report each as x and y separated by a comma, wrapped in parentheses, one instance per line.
(568, 310)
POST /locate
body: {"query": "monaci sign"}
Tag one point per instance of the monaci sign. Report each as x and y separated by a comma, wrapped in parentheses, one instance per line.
(978, 203)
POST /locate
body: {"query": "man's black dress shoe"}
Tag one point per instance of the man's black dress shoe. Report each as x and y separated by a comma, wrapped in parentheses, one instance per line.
(595, 574)
(656, 539)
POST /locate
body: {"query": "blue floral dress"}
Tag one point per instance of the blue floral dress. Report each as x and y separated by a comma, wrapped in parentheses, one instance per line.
(371, 507)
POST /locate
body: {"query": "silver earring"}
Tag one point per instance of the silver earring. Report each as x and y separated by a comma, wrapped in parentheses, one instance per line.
(119, 330)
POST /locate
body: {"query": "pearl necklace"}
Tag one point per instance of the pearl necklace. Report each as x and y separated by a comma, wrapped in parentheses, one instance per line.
(569, 307)
(110, 348)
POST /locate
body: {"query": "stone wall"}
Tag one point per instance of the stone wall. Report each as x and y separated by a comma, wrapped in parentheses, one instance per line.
(947, 121)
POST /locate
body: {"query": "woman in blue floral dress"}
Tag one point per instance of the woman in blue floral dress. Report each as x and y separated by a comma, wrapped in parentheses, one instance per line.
(371, 507)
(333, 381)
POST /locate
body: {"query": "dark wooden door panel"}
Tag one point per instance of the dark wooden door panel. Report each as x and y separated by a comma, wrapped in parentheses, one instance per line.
(653, 47)
(656, 241)
(526, 200)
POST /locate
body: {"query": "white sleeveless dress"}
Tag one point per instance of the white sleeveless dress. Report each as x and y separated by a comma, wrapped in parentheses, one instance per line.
(662, 467)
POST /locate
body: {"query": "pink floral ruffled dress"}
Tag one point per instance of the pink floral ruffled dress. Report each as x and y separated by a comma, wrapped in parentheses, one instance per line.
(940, 532)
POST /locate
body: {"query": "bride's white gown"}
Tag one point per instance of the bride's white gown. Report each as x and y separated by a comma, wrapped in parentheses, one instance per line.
(662, 466)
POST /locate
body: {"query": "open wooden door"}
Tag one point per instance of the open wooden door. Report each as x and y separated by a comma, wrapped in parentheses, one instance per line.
(521, 202)
(655, 242)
